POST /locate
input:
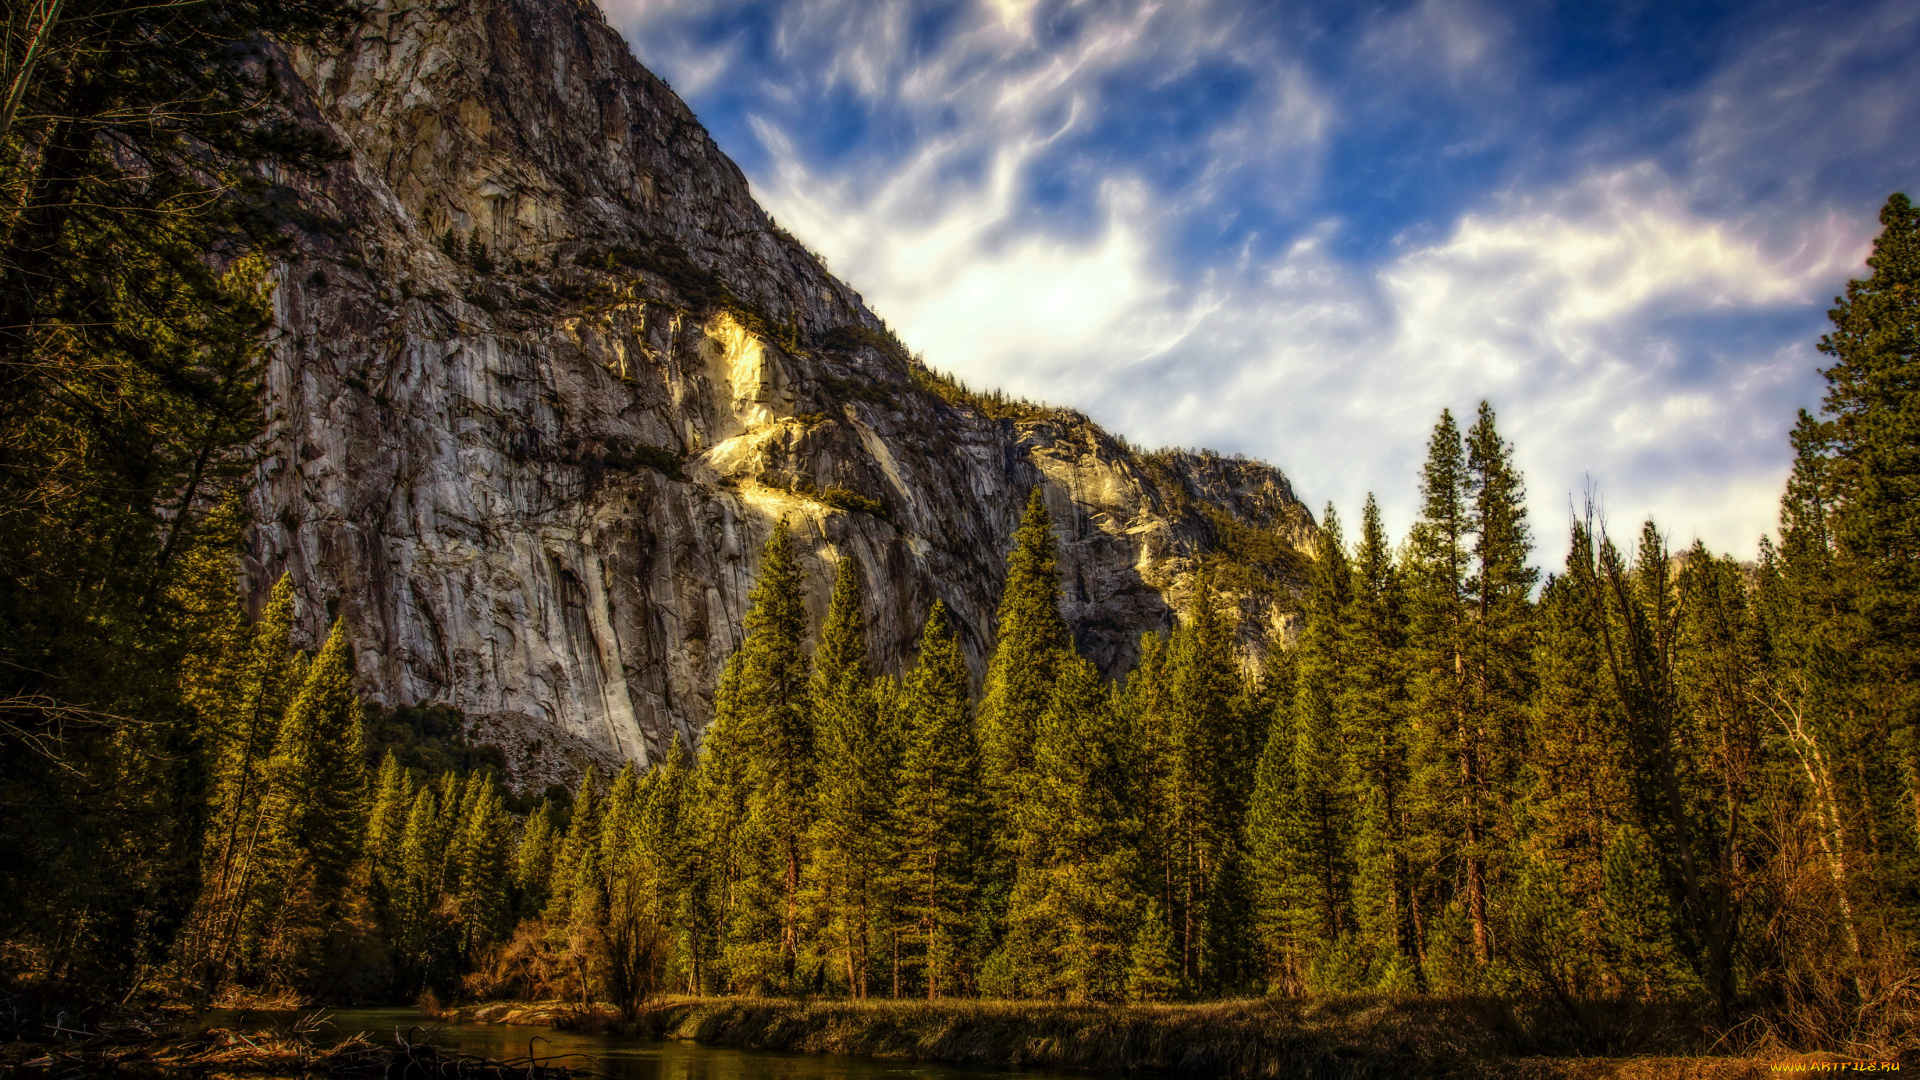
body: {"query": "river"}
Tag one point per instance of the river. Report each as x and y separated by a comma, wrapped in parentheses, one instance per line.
(625, 1057)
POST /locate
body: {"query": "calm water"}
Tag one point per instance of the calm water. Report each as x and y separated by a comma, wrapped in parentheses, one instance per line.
(625, 1058)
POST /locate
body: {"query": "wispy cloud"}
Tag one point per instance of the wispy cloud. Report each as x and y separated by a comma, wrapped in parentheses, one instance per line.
(1300, 233)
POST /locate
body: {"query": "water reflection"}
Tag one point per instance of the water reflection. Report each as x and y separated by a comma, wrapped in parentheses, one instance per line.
(623, 1058)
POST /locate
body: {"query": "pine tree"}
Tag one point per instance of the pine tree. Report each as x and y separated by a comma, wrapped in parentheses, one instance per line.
(315, 809)
(629, 942)
(1144, 704)
(1201, 812)
(242, 696)
(1541, 935)
(1470, 647)
(1860, 490)
(533, 862)
(855, 793)
(936, 831)
(1639, 931)
(1073, 900)
(733, 897)
(1373, 722)
(1644, 611)
(486, 862)
(775, 727)
(1319, 813)
(581, 845)
(1153, 971)
(1031, 644)
(1575, 789)
(394, 793)
(1874, 445)
(420, 932)
(1269, 845)
(666, 841)
(1499, 669)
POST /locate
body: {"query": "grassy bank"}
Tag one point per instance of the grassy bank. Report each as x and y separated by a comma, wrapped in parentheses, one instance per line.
(1345, 1037)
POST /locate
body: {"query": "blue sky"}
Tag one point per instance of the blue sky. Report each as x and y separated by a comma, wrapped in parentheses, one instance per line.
(1298, 231)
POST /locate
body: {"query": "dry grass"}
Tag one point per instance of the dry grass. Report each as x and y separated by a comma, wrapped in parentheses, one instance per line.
(1336, 1037)
(220, 1051)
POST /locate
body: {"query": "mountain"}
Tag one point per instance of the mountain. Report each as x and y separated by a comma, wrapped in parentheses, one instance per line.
(547, 376)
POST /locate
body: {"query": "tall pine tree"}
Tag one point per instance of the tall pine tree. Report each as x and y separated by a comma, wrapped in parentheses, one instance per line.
(937, 835)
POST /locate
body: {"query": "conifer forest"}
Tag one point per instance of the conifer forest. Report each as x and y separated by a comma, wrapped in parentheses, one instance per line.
(1658, 774)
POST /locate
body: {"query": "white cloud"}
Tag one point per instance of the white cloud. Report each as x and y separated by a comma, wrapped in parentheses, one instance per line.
(1605, 317)
(1550, 306)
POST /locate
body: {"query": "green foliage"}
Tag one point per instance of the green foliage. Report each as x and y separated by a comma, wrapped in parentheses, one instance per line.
(428, 738)
(1073, 900)
(937, 813)
(1188, 702)
(854, 336)
(1032, 643)
(1153, 970)
(664, 261)
(133, 308)
(841, 498)
(1666, 777)
(994, 404)
(1373, 711)
(1640, 938)
(855, 795)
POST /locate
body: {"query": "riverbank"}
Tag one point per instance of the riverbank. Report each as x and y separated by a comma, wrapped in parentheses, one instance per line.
(1345, 1038)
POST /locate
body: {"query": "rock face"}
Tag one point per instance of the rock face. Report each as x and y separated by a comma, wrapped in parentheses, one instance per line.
(550, 377)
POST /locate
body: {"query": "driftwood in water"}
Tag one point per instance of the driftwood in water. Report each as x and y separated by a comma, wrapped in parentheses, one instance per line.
(281, 1053)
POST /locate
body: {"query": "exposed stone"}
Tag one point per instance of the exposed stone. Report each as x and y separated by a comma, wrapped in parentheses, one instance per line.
(538, 493)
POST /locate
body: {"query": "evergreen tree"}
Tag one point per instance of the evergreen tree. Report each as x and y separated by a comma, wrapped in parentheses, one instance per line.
(1073, 901)
(315, 815)
(665, 842)
(1201, 813)
(855, 793)
(1499, 669)
(1639, 927)
(421, 934)
(581, 845)
(1873, 442)
(1470, 646)
(1541, 935)
(1269, 829)
(936, 830)
(136, 143)
(1144, 702)
(1031, 644)
(487, 875)
(242, 694)
(534, 859)
(1153, 972)
(1846, 699)
(775, 727)
(1676, 800)
(1575, 786)
(736, 898)
(1319, 815)
(631, 939)
(1449, 821)
(1373, 723)
(394, 793)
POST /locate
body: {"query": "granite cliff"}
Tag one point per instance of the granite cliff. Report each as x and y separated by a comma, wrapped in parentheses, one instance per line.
(547, 377)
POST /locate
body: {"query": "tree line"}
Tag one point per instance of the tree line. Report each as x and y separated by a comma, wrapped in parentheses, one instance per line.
(1656, 774)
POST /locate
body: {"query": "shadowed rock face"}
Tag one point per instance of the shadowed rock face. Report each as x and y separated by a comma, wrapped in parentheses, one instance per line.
(536, 481)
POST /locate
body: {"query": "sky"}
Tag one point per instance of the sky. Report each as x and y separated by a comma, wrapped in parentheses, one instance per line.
(1299, 231)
